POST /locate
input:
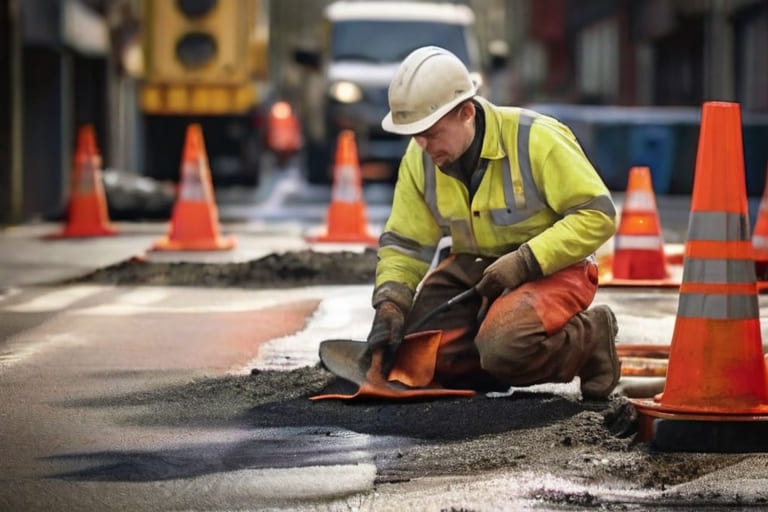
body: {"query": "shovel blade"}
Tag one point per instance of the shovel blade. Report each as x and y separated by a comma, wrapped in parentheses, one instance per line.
(345, 359)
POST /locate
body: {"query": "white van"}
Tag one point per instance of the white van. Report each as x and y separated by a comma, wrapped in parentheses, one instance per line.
(363, 44)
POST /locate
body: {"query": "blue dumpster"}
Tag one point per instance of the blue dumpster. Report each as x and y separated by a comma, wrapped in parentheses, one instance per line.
(653, 146)
(665, 139)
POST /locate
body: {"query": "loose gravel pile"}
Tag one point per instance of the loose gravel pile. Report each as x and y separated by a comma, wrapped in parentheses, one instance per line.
(290, 269)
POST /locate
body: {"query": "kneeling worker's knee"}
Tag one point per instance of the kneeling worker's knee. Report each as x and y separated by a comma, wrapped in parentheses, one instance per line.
(498, 358)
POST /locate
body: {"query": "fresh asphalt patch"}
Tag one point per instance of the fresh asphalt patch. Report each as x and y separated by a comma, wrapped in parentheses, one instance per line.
(587, 442)
(591, 440)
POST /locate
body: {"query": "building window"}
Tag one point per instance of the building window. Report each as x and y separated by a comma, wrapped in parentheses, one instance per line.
(597, 62)
(753, 91)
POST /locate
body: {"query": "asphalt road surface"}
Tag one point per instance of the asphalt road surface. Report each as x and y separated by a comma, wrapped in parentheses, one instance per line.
(157, 397)
(191, 398)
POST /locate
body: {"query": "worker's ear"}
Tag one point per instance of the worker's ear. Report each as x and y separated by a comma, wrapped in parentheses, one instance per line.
(467, 111)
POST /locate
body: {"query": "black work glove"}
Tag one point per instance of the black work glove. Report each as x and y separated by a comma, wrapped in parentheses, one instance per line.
(386, 333)
(509, 272)
(392, 301)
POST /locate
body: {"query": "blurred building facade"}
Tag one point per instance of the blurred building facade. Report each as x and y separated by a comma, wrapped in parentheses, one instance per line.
(59, 71)
(650, 52)
(65, 65)
(621, 52)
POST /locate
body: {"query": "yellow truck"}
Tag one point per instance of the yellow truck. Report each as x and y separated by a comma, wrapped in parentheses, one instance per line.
(205, 61)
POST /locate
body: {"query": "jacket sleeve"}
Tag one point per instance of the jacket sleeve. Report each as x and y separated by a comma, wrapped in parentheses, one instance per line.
(574, 190)
(411, 234)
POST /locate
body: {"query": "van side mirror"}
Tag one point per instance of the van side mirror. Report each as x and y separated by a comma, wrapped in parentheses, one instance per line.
(308, 58)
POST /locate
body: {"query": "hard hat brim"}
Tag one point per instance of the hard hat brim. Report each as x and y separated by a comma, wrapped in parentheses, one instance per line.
(425, 123)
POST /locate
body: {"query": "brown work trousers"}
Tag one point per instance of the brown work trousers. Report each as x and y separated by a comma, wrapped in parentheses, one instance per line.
(535, 333)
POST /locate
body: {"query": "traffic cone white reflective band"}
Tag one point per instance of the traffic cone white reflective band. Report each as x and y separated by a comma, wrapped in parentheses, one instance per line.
(345, 187)
(191, 185)
(87, 180)
(716, 284)
(718, 226)
(719, 307)
(733, 271)
(640, 200)
(760, 242)
(648, 242)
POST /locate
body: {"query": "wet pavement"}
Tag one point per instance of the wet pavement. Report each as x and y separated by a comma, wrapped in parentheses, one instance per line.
(196, 398)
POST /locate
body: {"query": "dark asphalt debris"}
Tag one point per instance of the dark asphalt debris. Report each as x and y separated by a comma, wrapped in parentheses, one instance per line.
(277, 270)
(590, 440)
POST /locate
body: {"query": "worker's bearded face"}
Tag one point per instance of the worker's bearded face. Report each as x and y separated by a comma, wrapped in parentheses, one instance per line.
(448, 139)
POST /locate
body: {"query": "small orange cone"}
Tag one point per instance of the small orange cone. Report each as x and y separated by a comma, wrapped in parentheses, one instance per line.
(195, 217)
(760, 239)
(639, 245)
(87, 213)
(639, 257)
(716, 367)
(346, 215)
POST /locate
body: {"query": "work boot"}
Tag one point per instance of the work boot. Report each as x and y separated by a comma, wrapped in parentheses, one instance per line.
(601, 372)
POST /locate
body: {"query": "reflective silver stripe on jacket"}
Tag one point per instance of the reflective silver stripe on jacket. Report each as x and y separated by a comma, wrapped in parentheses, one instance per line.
(600, 203)
(407, 246)
(719, 227)
(522, 200)
(430, 192)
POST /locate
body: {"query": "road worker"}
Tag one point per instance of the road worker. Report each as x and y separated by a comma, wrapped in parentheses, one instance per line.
(525, 212)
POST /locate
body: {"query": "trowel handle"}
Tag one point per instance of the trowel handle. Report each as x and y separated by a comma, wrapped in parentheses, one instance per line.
(466, 294)
(442, 307)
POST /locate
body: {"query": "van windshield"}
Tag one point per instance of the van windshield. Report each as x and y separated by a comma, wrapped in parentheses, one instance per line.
(392, 41)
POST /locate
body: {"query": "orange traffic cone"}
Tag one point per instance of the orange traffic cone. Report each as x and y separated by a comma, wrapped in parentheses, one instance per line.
(760, 239)
(195, 217)
(639, 257)
(346, 215)
(716, 368)
(639, 245)
(87, 213)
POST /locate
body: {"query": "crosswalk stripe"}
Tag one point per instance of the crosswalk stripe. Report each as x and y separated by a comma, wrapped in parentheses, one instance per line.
(55, 300)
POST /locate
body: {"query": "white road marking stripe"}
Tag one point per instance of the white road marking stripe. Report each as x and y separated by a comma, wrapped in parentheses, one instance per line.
(235, 303)
(143, 296)
(7, 293)
(55, 299)
(18, 352)
(344, 315)
(161, 299)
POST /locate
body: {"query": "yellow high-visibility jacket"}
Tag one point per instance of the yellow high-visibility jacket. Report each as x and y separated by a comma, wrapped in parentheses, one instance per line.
(539, 188)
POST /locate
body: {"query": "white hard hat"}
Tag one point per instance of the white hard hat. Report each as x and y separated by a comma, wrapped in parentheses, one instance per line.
(427, 85)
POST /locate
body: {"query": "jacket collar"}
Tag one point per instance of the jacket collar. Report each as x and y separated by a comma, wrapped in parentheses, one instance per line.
(492, 147)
